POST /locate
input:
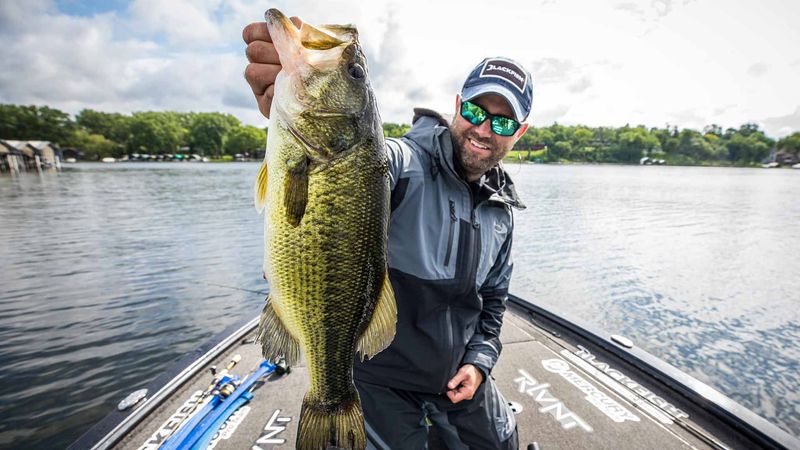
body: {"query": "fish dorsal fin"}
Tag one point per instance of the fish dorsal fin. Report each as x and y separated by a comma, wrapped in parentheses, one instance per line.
(261, 187)
(275, 339)
(316, 39)
(380, 331)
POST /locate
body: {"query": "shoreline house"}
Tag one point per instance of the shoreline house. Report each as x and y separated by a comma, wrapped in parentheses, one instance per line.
(24, 156)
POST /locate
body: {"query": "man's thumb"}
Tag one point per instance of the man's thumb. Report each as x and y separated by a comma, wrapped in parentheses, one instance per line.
(457, 379)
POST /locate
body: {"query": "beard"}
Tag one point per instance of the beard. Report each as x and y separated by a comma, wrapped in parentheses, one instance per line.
(470, 162)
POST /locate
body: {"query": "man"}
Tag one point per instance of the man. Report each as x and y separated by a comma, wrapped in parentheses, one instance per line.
(449, 261)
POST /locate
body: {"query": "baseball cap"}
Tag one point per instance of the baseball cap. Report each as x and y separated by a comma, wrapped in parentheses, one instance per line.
(505, 77)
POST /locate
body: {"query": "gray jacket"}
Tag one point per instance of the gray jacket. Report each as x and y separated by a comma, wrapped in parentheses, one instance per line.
(449, 263)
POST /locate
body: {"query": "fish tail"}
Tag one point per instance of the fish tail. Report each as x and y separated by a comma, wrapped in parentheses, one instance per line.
(323, 425)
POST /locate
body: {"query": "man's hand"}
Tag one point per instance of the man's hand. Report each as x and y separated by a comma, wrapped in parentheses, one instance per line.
(264, 63)
(464, 384)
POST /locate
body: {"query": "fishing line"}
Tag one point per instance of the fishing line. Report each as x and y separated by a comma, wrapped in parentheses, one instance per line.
(237, 288)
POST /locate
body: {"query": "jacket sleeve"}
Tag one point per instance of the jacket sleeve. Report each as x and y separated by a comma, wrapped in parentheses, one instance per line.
(484, 347)
(395, 153)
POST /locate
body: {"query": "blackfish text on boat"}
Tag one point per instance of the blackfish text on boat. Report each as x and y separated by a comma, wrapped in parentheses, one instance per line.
(324, 190)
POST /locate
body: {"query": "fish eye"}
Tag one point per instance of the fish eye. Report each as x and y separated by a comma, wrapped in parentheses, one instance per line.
(356, 71)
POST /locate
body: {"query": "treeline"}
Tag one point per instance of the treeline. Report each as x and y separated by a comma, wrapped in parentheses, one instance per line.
(99, 134)
(746, 145)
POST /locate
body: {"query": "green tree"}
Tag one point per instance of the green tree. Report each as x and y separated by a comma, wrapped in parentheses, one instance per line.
(527, 141)
(245, 139)
(113, 126)
(93, 146)
(208, 131)
(747, 149)
(633, 143)
(790, 144)
(395, 130)
(560, 150)
(154, 132)
(35, 123)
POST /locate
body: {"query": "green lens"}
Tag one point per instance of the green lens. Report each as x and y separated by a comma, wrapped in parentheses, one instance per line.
(504, 126)
(473, 113)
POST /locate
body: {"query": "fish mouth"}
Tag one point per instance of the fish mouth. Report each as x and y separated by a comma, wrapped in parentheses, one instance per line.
(293, 44)
(286, 38)
(276, 19)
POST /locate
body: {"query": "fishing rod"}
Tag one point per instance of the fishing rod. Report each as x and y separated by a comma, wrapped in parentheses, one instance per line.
(203, 433)
(222, 384)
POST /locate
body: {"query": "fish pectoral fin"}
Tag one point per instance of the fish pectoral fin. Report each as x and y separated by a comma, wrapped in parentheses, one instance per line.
(380, 331)
(275, 339)
(261, 188)
(316, 39)
(295, 196)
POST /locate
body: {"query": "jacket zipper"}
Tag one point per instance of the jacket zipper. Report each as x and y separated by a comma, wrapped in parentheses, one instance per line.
(450, 235)
(472, 262)
(449, 322)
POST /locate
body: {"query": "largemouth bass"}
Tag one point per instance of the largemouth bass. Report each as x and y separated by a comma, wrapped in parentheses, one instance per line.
(324, 190)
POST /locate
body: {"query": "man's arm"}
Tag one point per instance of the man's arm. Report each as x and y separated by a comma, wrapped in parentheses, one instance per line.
(484, 348)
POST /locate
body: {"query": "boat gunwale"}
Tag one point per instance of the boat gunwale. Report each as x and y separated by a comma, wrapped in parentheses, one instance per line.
(720, 406)
(747, 423)
(164, 385)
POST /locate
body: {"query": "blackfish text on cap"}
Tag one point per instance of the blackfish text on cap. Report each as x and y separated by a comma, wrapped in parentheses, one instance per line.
(506, 70)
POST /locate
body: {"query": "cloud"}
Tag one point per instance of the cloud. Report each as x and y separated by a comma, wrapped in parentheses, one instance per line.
(184, 23)
(552, 70)
(652, 13)
(581, 85)
(103, 66)
(238, 95)
(188, 55)
(757, 69)
(88, 66)
(723, 109)
(393, 73)
(630, 7)
(688, 118)
(780, 126)
(662, 7)
(419, 94)
(550, 115)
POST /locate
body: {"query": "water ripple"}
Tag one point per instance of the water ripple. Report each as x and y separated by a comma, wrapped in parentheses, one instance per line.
(111, 272)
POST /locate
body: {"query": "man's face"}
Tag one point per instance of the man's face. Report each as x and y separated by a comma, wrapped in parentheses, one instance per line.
(476, 148)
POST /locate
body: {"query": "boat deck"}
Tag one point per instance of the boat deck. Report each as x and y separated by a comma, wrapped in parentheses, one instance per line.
(568, 393)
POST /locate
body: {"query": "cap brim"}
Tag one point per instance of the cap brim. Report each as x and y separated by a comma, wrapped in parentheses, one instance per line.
(492, 88)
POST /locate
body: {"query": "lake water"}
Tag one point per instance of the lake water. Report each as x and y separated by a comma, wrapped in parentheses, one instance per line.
(111, 272)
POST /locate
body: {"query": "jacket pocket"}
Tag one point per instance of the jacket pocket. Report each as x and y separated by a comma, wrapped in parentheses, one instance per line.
(451, 233)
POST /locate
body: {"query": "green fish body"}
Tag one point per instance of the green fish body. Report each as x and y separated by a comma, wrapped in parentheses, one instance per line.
(324, 191)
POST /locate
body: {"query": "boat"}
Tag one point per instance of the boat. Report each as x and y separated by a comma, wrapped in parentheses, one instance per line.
(796, 166)
(571, 386)
(109, 159)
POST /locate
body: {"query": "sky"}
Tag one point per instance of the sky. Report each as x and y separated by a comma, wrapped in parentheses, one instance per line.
(687, 63)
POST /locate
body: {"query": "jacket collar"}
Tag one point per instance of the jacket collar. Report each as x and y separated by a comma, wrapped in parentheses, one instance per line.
(431, 132)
